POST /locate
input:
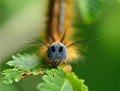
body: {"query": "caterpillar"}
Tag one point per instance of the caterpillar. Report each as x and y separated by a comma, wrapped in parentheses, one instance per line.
(58, 46)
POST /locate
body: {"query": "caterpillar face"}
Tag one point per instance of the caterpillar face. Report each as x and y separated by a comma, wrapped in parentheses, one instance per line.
(57, 52)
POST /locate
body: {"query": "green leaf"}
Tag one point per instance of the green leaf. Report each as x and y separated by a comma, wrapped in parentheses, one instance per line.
(11, 75)
(14, 75)
(78, 84)
(25, 62)
(23, 65)
(54, 81)
(3, 87)
(90, 9)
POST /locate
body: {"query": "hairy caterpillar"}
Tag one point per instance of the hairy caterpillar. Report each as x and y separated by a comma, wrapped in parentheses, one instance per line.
(59, 47)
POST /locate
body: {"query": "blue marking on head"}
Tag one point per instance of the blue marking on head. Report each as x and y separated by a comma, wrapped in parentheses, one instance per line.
(57, 52)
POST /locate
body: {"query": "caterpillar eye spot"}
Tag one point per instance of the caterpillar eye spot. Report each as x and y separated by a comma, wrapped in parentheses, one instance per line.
(60, 49)
(53, 48)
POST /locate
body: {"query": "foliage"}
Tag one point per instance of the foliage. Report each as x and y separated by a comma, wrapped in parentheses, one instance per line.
(90, 9)
(11, 75)
(78, 84)
(28, 61)
(54, 79)
(23, 65)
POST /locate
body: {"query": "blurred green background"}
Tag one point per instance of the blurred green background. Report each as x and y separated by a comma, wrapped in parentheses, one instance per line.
(24, 20)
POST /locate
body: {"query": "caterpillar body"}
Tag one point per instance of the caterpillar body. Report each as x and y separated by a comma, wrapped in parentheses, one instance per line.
(59, 47)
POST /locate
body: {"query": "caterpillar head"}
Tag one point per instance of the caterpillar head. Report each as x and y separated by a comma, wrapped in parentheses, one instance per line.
(57, 52)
